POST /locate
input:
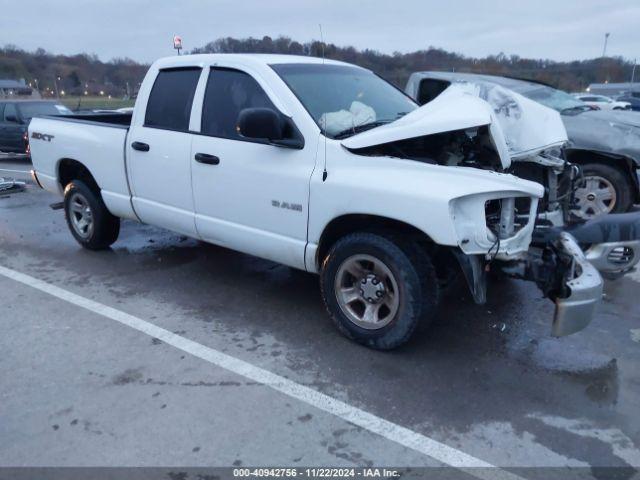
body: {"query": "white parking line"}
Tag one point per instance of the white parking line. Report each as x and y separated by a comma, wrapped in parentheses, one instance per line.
(389, 430)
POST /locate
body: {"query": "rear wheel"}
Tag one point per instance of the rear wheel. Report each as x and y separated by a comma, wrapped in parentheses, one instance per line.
(605, 189)
(377, 288)
(88, 219)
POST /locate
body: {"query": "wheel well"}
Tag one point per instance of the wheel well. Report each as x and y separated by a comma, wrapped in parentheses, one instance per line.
(346, 224)
(622, 163)
(69, 170)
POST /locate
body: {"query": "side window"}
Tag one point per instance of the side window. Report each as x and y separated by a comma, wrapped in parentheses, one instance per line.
(171, 97)
(430, 89)
(228, 92)
(10, 111)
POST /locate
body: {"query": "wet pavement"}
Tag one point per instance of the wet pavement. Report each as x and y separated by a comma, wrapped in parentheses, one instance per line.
(78, 389)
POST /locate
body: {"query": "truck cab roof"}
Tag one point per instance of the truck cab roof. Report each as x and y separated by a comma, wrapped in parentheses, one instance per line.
(261, 59)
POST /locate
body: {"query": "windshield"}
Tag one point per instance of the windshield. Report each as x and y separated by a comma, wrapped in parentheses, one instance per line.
(556, 99)
(344, 100)
(30, 110)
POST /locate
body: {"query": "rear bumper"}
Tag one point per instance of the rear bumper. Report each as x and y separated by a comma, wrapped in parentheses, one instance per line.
(584, 291)
(15, 155)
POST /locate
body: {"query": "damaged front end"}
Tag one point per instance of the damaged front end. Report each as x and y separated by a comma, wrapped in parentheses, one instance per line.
(514, 229)
(561, 271)
(556, 263)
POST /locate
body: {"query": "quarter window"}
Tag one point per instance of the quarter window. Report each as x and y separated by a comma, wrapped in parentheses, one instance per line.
(171, 97)
(229, 92)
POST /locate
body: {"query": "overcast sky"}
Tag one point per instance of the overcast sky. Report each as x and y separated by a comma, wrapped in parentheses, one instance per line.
(143, 29)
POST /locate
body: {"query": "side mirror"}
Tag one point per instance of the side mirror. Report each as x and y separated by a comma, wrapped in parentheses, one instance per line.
(261, 123)
(11, 118)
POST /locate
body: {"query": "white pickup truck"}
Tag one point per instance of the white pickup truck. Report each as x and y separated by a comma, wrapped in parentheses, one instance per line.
(325, 167)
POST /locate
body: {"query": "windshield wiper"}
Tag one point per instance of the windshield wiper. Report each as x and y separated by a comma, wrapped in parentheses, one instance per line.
(347, 132)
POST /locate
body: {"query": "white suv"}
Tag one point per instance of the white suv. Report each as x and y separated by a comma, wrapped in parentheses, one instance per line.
(601, 102)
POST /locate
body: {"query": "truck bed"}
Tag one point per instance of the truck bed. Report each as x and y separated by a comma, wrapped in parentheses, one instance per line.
(97, 141)
(120, 120)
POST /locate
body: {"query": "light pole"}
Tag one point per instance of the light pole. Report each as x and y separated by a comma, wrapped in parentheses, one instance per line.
(633, 71)
(55, 84)
(606, 39)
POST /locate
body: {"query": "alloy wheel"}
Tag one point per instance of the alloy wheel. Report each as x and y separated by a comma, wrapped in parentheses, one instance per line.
(367, 291)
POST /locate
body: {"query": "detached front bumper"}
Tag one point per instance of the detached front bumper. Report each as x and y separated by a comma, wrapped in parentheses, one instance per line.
(583, 290)
(557, 265)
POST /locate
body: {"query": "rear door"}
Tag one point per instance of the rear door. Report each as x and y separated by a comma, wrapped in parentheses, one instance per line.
(159, 152)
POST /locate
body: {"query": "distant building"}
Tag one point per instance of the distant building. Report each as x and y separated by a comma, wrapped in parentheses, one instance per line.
(17, 88)
(613, 89)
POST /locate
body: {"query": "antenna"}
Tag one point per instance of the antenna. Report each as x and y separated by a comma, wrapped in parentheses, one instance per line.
(324, 170)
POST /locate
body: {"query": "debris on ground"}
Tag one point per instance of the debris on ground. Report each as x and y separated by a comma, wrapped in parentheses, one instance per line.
(500, 326)
(11, 185)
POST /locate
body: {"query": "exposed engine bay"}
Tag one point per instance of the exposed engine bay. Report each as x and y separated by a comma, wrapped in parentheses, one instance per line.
(458, 148)
(474, 148)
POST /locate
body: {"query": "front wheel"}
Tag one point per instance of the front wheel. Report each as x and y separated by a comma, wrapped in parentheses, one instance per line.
(88, 219)
(377, 288)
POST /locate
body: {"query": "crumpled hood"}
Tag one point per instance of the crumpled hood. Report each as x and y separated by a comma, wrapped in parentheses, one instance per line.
(529, 127)
(519, 127)
(605, 131)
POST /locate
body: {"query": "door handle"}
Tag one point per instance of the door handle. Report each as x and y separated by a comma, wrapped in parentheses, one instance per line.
(141, 147)
(207, 159)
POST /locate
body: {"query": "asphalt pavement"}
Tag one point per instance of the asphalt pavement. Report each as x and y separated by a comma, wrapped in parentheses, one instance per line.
(166, 351)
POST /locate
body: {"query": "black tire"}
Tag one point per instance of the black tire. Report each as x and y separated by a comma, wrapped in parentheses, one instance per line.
(620, 181)
(106, 227)
(413, 273)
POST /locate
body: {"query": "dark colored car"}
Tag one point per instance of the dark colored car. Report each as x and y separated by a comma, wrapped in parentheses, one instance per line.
(633, 98)
(605, 144)
(15, 116)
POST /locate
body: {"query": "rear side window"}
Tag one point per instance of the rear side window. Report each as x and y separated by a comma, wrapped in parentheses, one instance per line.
(171, 98)
(228, 92)
(430, 89)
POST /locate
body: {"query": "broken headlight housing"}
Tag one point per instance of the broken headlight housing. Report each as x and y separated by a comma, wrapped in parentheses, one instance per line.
(490, 223)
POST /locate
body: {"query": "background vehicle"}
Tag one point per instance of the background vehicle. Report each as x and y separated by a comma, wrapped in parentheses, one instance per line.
(633, 99)
(605, 144)
(322, 166)
(15, 116)
(601, 102)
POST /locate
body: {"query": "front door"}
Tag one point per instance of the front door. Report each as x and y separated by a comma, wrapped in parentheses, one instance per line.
(249, 196)
(159, 152)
